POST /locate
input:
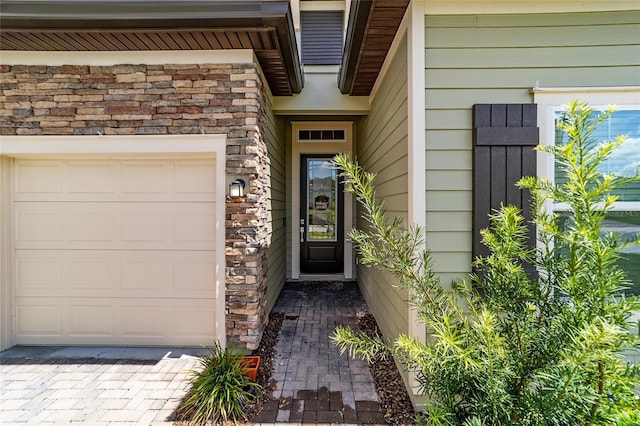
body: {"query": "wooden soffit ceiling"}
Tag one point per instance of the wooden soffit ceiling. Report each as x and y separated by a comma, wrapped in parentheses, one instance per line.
(116, 25)
(372, 27)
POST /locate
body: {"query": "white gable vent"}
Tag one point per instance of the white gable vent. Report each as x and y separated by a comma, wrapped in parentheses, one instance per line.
(322, 135)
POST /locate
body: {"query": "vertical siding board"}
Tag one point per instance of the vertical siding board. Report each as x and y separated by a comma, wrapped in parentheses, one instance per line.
(514, 115)
(514, 159)
(498, 170)
(528, 169)
(481, 192)
(498, 115)
(482, 116)
(529, 115)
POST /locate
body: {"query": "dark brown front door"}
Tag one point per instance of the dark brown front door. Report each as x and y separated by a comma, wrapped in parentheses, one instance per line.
(321, 216)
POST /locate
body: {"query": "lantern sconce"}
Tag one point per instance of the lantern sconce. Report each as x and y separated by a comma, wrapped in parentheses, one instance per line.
(236, 188)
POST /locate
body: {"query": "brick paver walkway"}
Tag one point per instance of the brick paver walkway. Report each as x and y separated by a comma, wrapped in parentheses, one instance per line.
(314, 383)
(92, 386)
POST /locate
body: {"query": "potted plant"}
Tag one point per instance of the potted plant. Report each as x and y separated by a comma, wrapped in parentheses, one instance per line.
(250, 364)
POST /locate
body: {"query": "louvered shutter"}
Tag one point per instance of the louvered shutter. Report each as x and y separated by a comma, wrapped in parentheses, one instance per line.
(504, 137)
(321, 37)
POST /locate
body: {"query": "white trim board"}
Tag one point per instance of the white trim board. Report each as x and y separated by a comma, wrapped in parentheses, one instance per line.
(154, 57)
(22, 146)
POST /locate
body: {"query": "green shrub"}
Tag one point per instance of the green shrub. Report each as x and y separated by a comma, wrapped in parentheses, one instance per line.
(544, 350)
(220, 391)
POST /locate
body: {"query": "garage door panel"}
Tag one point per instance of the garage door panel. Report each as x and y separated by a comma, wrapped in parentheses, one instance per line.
(193, 225)
(143, 320)
(36, 180)
(95, 178)
(145, 178)
(108, 180)
(116, 251)
(130, 273)
(38, 317)
(39, 272)
(144, 225)
(91, 225)
(196, 321)
(42, 223)
(109, 321)
(91, 320)
(116, 226)
(194, 178)
(193, 275)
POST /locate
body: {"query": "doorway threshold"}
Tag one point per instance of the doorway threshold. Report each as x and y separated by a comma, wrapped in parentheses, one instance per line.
(322, 277)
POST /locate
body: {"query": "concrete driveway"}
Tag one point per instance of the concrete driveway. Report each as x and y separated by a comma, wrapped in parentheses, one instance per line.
(93, 385)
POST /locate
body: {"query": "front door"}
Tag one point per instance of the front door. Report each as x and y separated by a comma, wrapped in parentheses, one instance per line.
(321, 216)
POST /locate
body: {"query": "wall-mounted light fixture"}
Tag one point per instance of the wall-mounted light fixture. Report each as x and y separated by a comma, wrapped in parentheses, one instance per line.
(236, 188)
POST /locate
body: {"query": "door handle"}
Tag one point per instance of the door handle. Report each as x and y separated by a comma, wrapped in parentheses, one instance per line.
(302, 234)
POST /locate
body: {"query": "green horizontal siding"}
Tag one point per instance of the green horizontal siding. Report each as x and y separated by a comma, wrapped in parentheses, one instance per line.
(473, 59)
(382, 148)
(277, 252)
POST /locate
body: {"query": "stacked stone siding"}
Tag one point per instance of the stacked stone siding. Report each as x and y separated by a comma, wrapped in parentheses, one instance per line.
(158, 100)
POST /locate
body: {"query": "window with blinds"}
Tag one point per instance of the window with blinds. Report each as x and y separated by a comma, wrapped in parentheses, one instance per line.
(322, 37)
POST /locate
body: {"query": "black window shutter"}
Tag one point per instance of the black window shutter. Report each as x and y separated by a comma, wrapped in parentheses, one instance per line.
(321, 37)
(504, 136)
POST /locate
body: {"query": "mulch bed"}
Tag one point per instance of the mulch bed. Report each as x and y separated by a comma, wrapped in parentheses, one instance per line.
(394, 399)
(266, 351)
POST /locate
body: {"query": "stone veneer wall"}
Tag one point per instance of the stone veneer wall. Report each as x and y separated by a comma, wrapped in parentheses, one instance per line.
(167, 99)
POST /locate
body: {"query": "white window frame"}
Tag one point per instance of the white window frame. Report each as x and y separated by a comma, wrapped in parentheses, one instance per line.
(552, 100)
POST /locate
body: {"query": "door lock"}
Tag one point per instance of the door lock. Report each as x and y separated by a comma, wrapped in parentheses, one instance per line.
(302, 234)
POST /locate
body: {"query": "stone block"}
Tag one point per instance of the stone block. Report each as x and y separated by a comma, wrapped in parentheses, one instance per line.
(135, 77)
(123, 69)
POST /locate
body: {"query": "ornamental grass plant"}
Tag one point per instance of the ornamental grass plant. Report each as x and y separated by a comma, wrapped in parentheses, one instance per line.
(504, 347)
(220, 391)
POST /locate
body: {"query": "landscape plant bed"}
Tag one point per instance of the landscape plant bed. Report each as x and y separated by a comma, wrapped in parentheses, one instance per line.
(266, 351)
(394, 399)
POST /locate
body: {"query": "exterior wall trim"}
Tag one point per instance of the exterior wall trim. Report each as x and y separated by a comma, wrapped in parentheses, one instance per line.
(417, 208)
(159, 57)
(7, 338)
(208, 145)
(21, 146)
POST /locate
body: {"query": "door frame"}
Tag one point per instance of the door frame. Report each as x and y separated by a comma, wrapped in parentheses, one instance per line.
(301, 148)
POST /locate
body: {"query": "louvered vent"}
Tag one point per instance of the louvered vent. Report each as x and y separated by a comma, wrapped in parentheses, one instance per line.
(321, 37)
(315, 135)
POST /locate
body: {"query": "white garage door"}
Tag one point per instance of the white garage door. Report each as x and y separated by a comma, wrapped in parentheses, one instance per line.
(115, 251)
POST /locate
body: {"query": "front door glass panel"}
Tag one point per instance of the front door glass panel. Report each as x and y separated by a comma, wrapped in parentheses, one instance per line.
(322, 203)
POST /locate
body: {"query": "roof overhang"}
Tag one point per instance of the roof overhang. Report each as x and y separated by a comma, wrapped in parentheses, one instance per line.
(265, 26)
(372, 27)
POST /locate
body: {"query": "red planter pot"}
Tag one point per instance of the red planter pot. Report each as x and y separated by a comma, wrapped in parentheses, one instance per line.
(250, 364)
